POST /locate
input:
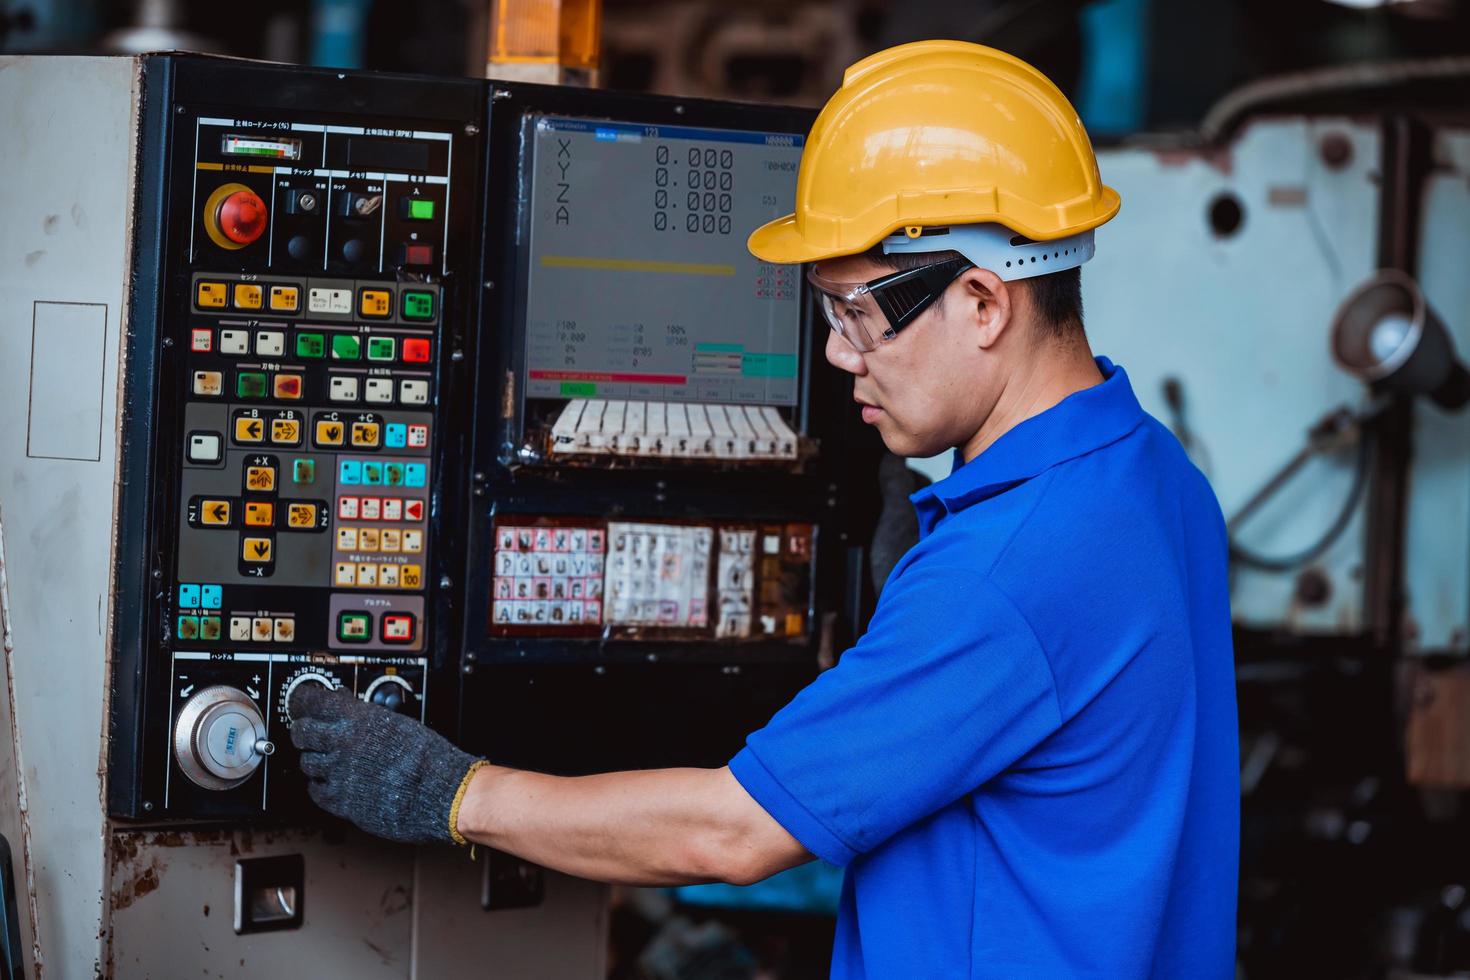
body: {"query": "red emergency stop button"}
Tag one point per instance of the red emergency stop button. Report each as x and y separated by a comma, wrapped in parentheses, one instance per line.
(242, 217)
(235, 216)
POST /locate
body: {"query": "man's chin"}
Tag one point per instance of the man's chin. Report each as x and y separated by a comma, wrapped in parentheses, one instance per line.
(905, 444)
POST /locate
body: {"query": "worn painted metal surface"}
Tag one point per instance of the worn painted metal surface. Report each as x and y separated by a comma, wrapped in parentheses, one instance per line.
(1437, 558)
(1241, 318)
(70, 133)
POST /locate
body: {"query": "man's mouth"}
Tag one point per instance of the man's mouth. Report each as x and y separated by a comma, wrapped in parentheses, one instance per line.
(871, 412)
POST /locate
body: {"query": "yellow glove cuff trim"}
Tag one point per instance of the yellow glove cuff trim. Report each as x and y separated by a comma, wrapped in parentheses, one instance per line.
(464, 785)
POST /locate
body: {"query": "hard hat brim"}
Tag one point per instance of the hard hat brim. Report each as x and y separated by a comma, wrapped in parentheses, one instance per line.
(781, 242)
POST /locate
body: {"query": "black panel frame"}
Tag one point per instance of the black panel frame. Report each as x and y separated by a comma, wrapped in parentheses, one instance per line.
(177, 89)
(575, 705)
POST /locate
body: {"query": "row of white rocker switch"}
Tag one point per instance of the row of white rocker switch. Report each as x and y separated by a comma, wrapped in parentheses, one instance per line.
(672, 429)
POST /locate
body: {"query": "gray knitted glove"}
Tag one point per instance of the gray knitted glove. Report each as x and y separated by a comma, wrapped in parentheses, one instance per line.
(388, 774)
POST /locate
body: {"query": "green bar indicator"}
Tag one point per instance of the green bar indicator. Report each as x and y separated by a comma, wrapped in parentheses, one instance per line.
(578, 389)
(720, 348)
(768, 365)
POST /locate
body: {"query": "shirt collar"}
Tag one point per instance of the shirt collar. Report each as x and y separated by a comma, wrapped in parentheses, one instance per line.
(1084, 421)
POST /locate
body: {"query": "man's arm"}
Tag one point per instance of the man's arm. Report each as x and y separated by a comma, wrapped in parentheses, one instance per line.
(395, 778)
(659, 827)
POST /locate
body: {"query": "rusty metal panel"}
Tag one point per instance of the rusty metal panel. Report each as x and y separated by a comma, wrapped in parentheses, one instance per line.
(172, 902)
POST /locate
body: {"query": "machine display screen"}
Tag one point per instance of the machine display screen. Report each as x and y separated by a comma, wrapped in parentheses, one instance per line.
(640, 285)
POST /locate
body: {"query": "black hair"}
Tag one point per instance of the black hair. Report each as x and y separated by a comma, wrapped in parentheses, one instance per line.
(1057, 296)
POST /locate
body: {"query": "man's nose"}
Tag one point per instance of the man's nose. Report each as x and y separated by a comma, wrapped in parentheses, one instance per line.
(843, 356)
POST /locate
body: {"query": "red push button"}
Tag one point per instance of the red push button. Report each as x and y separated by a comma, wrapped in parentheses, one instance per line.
(417, 255)
(398, 628)
(413, 510)
(242, 217)
(416, 350)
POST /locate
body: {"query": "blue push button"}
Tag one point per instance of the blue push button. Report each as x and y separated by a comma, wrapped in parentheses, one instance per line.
(349, 472)
(210, 596)
(393, 474)
(372, 474)
(414, 474)
(188, 596)
(395, 435)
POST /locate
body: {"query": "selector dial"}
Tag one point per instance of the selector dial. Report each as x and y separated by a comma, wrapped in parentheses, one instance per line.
(220, 738)
(391, 692)
(308, 676)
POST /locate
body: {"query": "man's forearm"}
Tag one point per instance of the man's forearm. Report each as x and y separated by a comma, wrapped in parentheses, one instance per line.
(660, 827)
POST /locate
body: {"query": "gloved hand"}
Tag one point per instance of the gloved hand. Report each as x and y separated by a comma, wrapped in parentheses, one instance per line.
(388, 774)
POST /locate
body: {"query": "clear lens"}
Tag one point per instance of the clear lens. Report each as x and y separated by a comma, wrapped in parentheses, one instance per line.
(851, 312)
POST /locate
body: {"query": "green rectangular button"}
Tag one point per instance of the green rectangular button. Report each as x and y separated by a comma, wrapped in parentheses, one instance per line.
(382, 348)
(303, 471)
(421, 209)
(418, 305)
(250, 384)
(310, 345)
(209, 627)
(578, 389)
(346, 347)
(354, 627)
(188, 628)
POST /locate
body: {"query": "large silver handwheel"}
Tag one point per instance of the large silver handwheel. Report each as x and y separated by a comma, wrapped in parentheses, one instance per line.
(219, 738)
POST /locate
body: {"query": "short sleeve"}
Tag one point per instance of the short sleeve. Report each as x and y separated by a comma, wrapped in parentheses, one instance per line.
(947, 689)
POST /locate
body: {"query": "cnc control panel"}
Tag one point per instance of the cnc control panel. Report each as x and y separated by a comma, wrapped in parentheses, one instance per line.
(468, 399)
(314, 224)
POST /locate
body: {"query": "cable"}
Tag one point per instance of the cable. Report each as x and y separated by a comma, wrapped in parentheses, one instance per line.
(1285, 563)
(1282, 91)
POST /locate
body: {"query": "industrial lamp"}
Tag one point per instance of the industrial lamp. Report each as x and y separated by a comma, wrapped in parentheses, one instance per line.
(1386, 334)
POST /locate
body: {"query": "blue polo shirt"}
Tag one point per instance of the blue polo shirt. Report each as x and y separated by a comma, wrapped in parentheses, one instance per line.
(1028, 765)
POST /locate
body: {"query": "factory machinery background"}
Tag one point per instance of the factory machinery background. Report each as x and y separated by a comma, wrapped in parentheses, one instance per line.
(407, 383)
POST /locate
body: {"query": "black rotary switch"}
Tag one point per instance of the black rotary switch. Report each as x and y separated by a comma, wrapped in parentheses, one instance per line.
(392, 692)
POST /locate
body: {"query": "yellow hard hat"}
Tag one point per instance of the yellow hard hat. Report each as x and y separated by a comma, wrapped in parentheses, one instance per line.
(939, 133)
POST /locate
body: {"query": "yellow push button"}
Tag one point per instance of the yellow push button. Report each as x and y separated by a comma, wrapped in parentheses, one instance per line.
(301, 516)
(248, 296)
(365, 434)
(329, 432)
(411, 577)
(211, 296)
(248, 429)
(214, 513)
(257, 550)
(285, 299)
(258, 513)
(375, 303)
(285, 432)
(260, 478)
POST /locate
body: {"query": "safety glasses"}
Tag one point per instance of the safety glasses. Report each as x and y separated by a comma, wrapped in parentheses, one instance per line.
(871, 313)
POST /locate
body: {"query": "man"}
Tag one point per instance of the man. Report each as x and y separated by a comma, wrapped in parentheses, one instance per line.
(1029, 764)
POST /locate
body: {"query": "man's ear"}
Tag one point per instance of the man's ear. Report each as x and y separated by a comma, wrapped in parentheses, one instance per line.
(990, 301)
